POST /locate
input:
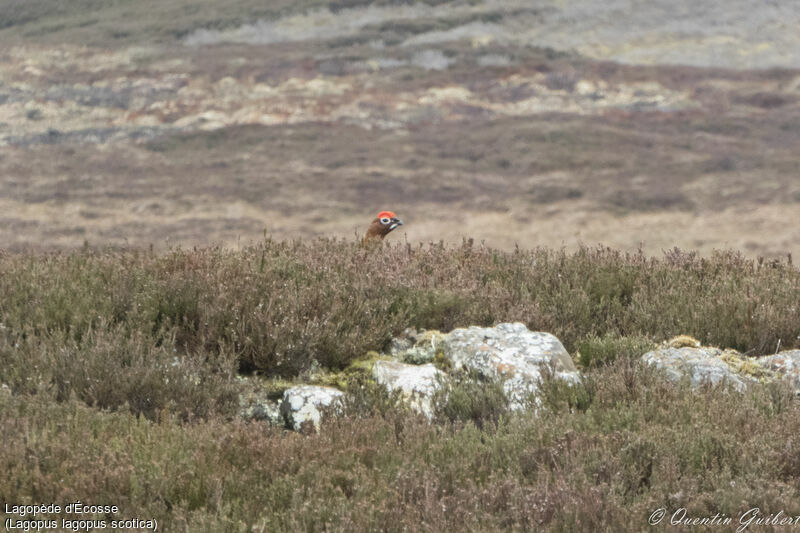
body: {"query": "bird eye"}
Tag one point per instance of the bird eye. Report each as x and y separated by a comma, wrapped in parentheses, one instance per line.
(385, 221)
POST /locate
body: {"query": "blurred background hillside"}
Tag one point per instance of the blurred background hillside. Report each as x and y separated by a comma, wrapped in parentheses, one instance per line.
(658, 123)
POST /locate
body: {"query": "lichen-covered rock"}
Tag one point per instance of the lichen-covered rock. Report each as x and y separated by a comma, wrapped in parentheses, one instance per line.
(253, 407)
(707, 364)
(417, 382)
(304, 403)
(785, 365)
(402, 342)
(259, 399)
(418, 355)
(746, 367)
(417, 348)
(512, 353)
(702, 365)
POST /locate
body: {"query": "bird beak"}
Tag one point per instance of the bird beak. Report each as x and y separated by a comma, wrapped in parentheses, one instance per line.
(395, 222)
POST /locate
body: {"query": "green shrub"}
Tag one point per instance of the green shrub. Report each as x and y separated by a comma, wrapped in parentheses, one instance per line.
(364, 398)
(595, 351)
(467, 396)
(558, 395)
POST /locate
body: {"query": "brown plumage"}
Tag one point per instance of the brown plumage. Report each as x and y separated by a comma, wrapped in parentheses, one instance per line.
(385, 222)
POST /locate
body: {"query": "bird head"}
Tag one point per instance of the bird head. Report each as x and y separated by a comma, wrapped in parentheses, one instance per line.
(385, 222)
(388, 220)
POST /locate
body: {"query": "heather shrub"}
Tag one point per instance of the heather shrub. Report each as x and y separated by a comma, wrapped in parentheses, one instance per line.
(466, 396)
(644, 443)
(558, 395)
(108, 370)
(594, 351)
(364, 398)
(282, 308)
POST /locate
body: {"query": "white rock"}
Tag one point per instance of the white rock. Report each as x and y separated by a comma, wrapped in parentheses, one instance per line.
(784, 364)
(303, 403)
(257, 408)
(702, 365)
(417, 382)
(512, 353)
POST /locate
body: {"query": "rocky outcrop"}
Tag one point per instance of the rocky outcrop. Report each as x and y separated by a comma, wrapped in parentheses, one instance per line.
(701, 365)
(419, 366)
(417, 383)
(512, 353)
(785, 365)
(710, 365)
(256, 408)
(508, 352)
(515, 356)
(304, 404)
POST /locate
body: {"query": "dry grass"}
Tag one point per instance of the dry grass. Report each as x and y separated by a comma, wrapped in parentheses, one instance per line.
(313, 137)
(626, 186)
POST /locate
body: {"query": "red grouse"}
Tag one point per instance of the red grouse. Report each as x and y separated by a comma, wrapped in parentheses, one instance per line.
(385, 222)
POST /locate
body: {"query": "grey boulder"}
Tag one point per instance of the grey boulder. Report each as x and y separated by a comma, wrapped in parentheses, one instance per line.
(513, 354)
(417, 383)
(306, 403)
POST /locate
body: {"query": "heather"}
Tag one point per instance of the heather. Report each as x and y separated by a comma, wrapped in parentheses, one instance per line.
(120, 371)
(639, 443)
